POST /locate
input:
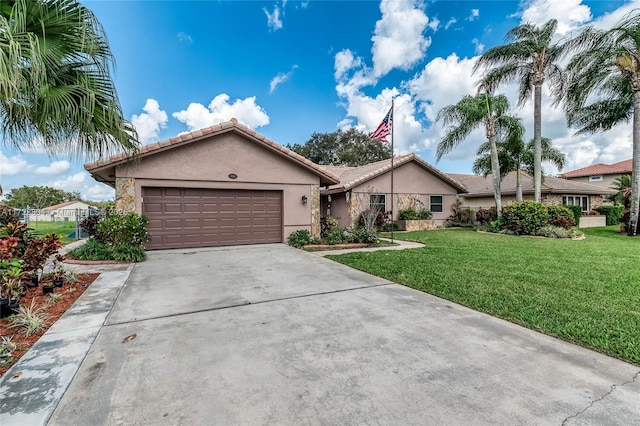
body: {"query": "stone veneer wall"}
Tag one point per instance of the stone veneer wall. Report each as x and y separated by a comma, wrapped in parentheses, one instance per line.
(595, 201)
(315, 211)
(410, 201)
(125, 195)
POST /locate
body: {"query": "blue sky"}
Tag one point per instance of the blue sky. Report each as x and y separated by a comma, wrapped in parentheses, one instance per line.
(291, 68)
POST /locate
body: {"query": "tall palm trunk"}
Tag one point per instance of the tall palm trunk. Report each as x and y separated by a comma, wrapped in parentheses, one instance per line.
(537, 144)
(495, 165)
(635, 167)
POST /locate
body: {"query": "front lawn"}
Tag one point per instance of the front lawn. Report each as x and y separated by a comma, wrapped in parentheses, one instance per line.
(587, 292)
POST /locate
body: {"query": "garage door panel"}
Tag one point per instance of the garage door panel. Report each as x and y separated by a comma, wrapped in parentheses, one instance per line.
(195, 217)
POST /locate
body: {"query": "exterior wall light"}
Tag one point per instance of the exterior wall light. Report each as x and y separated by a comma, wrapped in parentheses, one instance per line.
(304, 199)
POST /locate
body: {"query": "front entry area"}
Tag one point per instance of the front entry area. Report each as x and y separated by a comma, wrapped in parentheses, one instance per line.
(200, 217)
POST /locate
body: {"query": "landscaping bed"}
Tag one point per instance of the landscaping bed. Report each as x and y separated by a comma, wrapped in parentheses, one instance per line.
(69, 293)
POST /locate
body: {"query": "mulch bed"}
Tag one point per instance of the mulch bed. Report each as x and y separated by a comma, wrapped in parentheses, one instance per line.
(69, 292)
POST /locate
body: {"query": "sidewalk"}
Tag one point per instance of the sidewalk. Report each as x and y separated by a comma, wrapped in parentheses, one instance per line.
(402, 245)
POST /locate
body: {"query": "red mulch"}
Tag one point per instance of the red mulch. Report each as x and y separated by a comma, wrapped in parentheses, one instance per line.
(54, 311)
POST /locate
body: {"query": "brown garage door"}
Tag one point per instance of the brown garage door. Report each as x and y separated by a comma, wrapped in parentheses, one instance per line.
(186, 217)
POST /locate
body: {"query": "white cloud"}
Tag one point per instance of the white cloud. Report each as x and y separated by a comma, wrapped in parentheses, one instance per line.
(433, 24)
(449, 23)
(10, 166)
(149, 123)
(610, 19)
(398, 40)
(570, 14)
(197, 116)
(474, 15)
(55, 168)
(273, 19)
(184, 37)
(479, 46)
(345, 61)
(281, 78)
(87, 187)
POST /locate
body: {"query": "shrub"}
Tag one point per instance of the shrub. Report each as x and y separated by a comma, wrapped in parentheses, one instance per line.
(327, 224)
(336, 236)
(525, 218)
(30, 319)
(561, 216)
(90, 225)
(413, 214)
(386, 227)
(613, 213)
(363, 235)
(7, 346)
(118, 229)
(553, 231)
(129, 253)
(92, 250)
(577, 213)
(299, 238)
(486, 216)
(8, 215)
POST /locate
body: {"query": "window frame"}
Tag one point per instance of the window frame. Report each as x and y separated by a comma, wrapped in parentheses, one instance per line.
(375, 205)
(441, 204)
(596, 178)
(584, 206)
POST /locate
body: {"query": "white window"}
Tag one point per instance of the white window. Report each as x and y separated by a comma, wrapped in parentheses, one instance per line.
(378, 202)
(435, 203)
(577, 200)
(595, 178)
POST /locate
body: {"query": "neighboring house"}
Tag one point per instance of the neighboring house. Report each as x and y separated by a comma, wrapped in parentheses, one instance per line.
(62, 212)
(600, 174)
(223, 185)
(554, 191)
(416, 184)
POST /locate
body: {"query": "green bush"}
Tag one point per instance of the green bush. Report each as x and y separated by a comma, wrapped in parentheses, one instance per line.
(613, 213)
(386, 227)
(8, 215)
(577, 213)
(129, 253)
(413, 214)
(117, 229)
(553, 231)
(486, 216)
(299, 238)
(336, 236)
(525, 218)
(561, 216)
(363, 235)
(92, 250)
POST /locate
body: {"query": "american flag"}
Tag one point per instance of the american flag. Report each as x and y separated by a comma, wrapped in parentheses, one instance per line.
(384, 129)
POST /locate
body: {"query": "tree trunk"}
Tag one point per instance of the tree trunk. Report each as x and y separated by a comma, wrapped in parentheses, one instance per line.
(537, 144)
(518, 185)
(635, 168)
(495, 168)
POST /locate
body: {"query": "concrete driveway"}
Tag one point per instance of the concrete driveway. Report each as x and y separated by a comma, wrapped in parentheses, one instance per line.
(273, 335)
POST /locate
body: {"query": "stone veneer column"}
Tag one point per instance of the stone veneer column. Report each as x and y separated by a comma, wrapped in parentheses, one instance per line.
(315, 211)
(125, 195)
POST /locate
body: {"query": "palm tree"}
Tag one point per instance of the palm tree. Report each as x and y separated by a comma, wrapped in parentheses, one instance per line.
(515, 155)
(56, 89)
(622, 184)
(470, 113)
(603, 89)
(529, 58)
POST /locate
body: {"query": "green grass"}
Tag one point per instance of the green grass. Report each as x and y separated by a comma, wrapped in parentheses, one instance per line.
(62, 229)
(586, 292)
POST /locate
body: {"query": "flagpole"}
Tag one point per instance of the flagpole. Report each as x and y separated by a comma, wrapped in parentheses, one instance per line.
(392, 126)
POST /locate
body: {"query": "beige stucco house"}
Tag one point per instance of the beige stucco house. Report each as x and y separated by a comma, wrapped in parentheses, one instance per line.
(416, 184)
(554, 191)
(600, 174)
(62, 212)
(223, 185)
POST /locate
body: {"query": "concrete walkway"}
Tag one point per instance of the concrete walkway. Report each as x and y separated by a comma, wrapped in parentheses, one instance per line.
(401, 245)
(273, 335)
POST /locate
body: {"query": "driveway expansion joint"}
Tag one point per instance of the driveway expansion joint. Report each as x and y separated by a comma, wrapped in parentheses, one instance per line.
(604, 396)
(239, 305)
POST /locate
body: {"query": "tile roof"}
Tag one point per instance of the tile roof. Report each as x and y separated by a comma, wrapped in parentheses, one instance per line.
(621, 167)
(354, 176)
(480, 186)
(198, 135)
(65, 204)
